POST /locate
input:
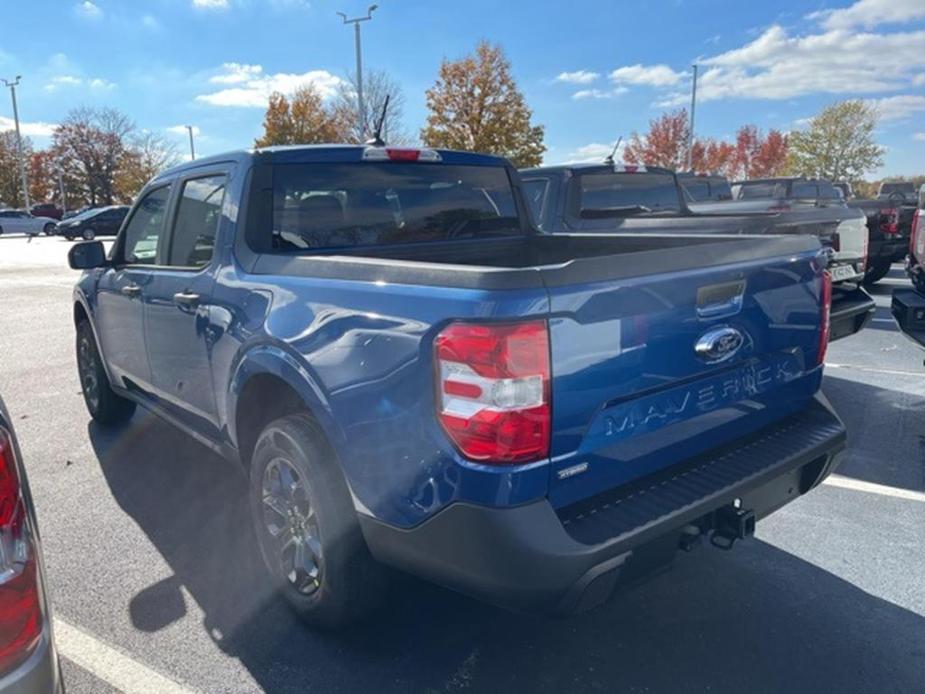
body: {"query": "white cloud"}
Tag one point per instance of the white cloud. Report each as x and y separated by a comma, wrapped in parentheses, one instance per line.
(599, 93)
(67, 81)
(593, 152)
(211, 4)
(870, 13)
(253, 87)
(181, 130)
(577, 77)
(37, 129)
(652, 75)
(88, 10)
(898, 107)
(919, 136)
(779, 66)
(150, 22)
(234, 73)
(590, 94)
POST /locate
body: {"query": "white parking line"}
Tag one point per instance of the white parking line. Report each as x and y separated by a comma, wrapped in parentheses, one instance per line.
(873, 488)
(895, 372)
(112, 666)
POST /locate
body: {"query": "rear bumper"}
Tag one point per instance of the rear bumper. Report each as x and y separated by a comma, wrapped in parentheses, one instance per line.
(535, 557)
(852, 309)
(908, 308)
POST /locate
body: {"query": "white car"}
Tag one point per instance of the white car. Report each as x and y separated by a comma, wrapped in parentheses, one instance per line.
(20, 222)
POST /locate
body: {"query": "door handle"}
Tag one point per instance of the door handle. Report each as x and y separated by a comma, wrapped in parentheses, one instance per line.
(185, 301)
(131, 290)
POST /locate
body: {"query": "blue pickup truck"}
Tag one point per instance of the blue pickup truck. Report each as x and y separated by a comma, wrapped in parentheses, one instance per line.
(413, 377)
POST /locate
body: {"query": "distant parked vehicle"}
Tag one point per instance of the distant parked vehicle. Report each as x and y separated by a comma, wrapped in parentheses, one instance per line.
(46, 209)
(705, 187)
(100, 221)
(904, 188)
(21, 222)
(889, 226)
(28, 661)
(80, 210)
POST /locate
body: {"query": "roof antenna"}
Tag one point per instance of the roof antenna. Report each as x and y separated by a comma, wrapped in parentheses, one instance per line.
(609, 159)
(376, 140)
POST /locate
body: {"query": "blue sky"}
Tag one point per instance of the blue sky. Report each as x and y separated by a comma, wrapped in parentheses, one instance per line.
(591, 71)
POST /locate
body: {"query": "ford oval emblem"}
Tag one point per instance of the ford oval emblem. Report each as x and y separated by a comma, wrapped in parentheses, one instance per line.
(719, 344)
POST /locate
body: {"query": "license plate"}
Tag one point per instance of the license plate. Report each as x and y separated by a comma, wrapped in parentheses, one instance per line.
(842, 272)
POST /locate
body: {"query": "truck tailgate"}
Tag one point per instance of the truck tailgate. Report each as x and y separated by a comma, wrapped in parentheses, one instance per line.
(653, 369)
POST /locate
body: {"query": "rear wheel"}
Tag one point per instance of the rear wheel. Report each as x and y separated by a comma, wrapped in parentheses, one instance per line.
(69, 237)
(102, 402)
(49, 229)
(307, 527)
(88, 234)
(877, 270)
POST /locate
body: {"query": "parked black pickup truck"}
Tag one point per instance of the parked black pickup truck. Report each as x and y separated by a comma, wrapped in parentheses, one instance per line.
(909, 304)
(632, 200)
(889, 225)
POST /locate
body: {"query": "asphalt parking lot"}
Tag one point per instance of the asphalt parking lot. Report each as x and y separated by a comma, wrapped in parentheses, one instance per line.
(156, 586)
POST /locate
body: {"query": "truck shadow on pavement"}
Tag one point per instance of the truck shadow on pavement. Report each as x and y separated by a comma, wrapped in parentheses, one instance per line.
(885, 432)
(754, 619)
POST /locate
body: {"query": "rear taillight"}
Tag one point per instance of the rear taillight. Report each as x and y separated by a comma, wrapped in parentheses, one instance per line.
(20, 603)
(825, 316)
(917, 239)
(493, 393)
(889, 220)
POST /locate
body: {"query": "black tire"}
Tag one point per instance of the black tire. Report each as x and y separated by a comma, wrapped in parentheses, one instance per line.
(49, 229)
(103, 404)
(346, 583)
(1, 231)
(69, 237)
(88, 234)
(877, 270)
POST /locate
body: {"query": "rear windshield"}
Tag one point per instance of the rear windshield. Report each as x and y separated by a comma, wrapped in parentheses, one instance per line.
(761, 190)
(324, 206)
(905, 187)
(628, 192)
(704, 189)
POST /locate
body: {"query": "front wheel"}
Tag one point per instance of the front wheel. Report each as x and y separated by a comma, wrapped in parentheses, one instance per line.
(103, 404)
(877, 270)
(88, 234)
(307, 527)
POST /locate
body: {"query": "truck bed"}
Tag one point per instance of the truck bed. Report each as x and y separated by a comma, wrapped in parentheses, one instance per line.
(532, 260)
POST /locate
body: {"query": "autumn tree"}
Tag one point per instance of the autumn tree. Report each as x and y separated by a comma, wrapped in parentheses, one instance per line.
(838, 144)
(475, 105)
(665, 144)
(89, 146)
(10, 178)
(757, 155)
(43, 185)
(377, 85)
(713, 156)
(301, 119)
(146, 155)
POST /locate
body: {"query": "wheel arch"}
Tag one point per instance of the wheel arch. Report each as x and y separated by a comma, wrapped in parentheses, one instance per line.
(269, 383)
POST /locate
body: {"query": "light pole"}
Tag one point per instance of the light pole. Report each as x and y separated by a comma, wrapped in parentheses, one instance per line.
(22, 161)
(361, 112)
(690, 132)
(192, 148)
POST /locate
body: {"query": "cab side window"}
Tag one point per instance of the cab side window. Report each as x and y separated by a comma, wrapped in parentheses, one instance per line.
(196, 223)
(145, 230)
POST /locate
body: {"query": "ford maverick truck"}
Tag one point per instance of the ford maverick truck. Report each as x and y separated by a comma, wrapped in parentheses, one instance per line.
(411, 376)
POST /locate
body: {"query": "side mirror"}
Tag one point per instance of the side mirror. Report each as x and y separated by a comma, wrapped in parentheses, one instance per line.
(87, 255)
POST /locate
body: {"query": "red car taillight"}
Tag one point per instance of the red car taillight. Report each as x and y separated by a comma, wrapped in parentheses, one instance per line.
(825, 317)
(889, 220)
(493, 392)
(20, 604)
(917, 239)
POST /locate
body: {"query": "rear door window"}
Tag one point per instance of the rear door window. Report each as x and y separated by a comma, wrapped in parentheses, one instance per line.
(757, 191)
(535, 192)
(803, 190)
(196, 222)
(627, 193)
